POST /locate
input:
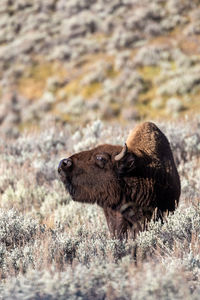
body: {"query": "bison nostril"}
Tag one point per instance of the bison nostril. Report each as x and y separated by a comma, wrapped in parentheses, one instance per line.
(67, 163)
(64, 164)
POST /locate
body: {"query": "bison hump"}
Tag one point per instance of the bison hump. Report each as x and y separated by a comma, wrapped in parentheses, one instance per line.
(148, 138)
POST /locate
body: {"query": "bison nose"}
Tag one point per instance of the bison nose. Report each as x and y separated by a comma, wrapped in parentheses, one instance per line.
(64, 164)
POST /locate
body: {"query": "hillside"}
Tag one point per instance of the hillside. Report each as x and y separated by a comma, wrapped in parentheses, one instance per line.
(75, 61)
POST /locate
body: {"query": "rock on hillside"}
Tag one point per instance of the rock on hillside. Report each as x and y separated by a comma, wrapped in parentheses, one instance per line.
(80, 60)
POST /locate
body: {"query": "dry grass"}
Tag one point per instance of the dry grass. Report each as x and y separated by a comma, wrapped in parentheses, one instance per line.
(33, 82)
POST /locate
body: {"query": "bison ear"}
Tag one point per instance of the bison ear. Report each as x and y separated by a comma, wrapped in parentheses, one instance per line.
(125, 162)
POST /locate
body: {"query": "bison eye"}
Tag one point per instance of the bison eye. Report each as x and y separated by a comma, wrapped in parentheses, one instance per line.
(101, 160)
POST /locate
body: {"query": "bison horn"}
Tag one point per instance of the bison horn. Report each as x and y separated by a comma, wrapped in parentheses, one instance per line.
(122, 153)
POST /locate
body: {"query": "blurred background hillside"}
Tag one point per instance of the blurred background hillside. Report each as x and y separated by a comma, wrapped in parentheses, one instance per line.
(78, 60)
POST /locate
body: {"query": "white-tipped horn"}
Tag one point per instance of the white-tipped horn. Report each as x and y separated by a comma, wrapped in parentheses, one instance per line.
(122, 153)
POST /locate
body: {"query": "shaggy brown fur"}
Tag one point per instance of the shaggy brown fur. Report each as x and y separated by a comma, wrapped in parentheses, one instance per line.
(132, 184)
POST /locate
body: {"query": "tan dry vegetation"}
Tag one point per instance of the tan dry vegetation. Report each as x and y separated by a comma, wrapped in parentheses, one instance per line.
(33, 82)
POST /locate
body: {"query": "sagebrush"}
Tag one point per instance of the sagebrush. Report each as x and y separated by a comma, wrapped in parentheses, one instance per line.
(53, 248)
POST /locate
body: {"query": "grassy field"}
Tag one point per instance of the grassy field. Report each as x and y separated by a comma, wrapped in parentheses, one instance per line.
(54, 248)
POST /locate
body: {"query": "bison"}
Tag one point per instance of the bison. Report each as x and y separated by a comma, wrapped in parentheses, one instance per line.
(133, 184)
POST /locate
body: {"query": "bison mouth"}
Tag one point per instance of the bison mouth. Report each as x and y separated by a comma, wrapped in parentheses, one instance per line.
(67, 183)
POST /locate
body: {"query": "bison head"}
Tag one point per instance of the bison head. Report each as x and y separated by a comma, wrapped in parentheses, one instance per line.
(95, 176)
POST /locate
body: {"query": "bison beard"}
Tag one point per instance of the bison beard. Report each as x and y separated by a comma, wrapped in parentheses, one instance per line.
(133, 184)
